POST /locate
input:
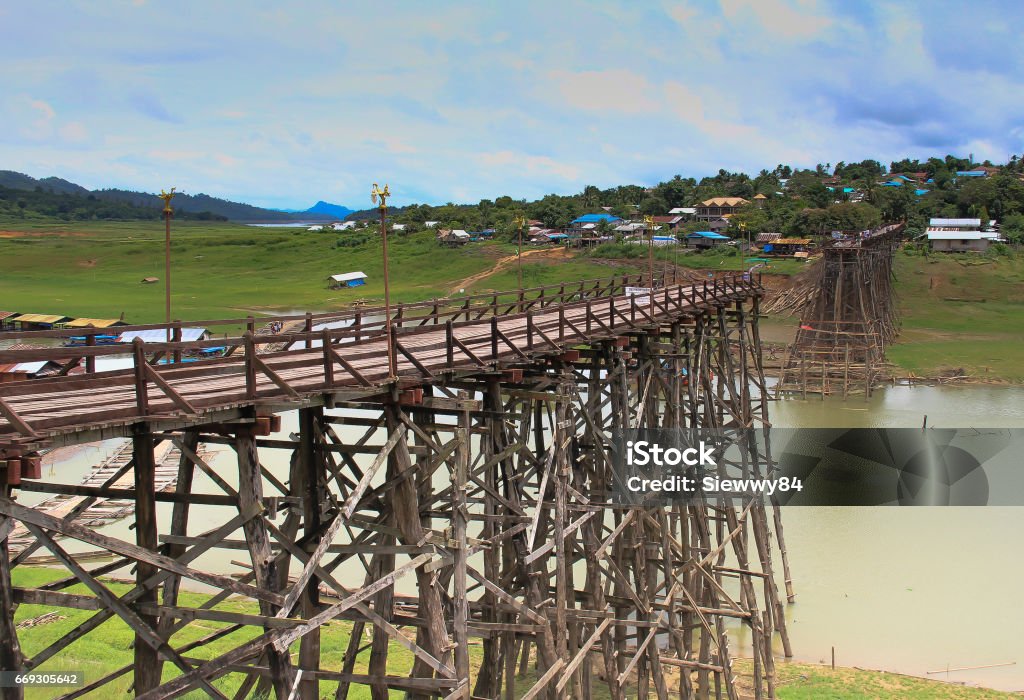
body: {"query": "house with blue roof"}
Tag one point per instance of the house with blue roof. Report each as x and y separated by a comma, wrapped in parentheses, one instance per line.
(971, 173)
(589, 222)
(705, 239)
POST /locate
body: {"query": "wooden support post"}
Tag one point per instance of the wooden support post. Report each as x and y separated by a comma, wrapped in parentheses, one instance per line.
(264, 566)
(309, 487)
(147, 661)
(460, 523)
(90, 361)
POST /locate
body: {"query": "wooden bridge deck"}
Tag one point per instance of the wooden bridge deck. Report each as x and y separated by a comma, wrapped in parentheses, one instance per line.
(451, 337)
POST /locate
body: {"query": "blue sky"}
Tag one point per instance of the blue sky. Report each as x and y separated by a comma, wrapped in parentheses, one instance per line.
(281, 104)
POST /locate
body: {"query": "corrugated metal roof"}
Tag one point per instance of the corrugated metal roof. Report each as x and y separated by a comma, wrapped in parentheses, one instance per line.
(948, 223)
(724, 202)
(6, 314)
(349, 276)
(94, 322)
(791, 241)
(594, 218)
(159, 335)
(708, 234)
(940, 235)
(29, 367)
(38, 318)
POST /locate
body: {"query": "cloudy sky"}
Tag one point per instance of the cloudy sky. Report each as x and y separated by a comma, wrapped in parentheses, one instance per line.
(281, 104)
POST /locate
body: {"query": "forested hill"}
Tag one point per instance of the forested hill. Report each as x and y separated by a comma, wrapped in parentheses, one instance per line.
(51, 193)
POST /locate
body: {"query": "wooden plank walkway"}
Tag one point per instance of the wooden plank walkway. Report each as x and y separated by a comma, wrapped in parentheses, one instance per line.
(349, 363)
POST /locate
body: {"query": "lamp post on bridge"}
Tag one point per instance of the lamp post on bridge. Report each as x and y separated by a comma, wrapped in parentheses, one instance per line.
(168, 213)
(380, 198)
(520, 222)
(649, 221)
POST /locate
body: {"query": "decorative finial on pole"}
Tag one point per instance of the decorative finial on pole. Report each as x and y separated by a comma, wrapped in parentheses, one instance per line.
(168, 213)
(380, 198)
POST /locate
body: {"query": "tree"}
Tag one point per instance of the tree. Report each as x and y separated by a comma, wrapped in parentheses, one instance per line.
(654, 206)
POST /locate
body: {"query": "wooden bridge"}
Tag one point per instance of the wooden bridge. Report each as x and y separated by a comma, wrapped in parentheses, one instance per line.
(473, 470)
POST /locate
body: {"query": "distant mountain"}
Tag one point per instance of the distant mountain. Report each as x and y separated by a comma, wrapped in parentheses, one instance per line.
(197, 203)
(321, 209)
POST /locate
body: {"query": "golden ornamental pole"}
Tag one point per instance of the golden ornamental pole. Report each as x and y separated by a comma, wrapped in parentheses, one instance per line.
(649, 220)
(168, 213)
(380, 198)
(520, 222)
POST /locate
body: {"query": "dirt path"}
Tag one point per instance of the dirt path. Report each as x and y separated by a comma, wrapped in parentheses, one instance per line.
(502, 263)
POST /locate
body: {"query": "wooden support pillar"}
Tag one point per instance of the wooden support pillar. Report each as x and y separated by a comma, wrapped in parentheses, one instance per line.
(250, 506)
(147, 660)
(460, 522)
(11, 658)
(309, 487)
(179, 527)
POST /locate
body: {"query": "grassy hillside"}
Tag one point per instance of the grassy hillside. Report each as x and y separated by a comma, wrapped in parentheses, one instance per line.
(961, 312)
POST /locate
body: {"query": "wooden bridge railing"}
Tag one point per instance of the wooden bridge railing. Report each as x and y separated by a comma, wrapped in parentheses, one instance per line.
(423, 351)
(404, 313)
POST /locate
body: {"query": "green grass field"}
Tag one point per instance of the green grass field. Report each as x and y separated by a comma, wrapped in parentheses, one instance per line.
(961, 311)
(230, 270)
(109, 648)
(957, 314)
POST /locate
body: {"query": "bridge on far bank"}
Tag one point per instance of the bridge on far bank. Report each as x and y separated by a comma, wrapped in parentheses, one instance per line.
(848, 320)
(462, 490)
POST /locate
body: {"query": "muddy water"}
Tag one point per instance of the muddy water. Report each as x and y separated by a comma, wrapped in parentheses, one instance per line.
(902, 589)
(910, 589)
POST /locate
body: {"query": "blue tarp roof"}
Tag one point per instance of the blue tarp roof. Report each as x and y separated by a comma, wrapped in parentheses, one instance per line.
(708, 234)
(921, 192)
(557, 236)
(970, 173)
(892, 183)
(595, 218)
(904, 178)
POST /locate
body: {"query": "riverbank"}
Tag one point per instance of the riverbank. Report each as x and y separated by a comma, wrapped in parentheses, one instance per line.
(98, 655)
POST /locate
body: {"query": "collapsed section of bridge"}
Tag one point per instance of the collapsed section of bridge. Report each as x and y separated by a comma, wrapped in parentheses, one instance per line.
(848, 319)
(469, 497)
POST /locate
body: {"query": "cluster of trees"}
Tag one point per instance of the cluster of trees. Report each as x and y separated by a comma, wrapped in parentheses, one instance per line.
(799, 201)
(47, 204)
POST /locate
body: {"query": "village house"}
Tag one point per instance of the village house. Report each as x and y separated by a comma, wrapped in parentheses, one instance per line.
(452, 239)
(718, 207)
(20, 371)
(344, 225)
(346, 280)
(705, 239)
(671, 223)
(37, 322)
(5, 318)
(587, 223)
(959, 236)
